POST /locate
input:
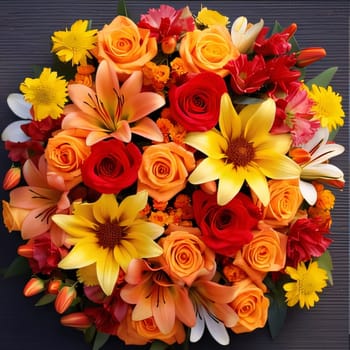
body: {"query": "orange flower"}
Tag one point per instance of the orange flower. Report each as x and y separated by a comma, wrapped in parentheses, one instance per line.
(76, 320)
(208, 50)
(265, 252)
(34, 286)
(233, 273)
(178, 66)
(164, 170)
(186, 256)
(251, 306)
(13, 217)
(65, 153)
(285, 200)
(12, 178)
(65, 298)
(125, 45)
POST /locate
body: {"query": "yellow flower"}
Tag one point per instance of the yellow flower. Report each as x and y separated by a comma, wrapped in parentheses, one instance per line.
(308, 281)
(75, 44)
(327, 107)
(47, 94)
(208, 18)
(243, 150)
(109, 235)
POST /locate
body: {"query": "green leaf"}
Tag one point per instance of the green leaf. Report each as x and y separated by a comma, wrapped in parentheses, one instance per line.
(121, 9)
(19, 266)
(89, 334)
(100, 340)
(46, 299)
(246, 100)
(325, 262)
(323, 79)
(158, 345)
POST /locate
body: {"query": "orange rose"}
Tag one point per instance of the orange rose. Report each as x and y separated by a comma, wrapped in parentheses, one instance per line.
(186, 256)
(265, 252)
(65, 154)
(208, 50)
(13, 217)
(144, 331)
(164, 170)
(127, 47)
(251, 306)
(285, 200)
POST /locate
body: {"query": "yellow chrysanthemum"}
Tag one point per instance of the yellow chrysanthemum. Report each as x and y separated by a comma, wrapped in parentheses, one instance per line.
(243, 150)
(87, 275)
(309, 281)
(109, 235)
(327, 107)
(209, 18)
(75, 44)
(47, 94)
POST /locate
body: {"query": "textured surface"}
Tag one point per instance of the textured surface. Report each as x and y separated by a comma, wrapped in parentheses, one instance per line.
(25, 29)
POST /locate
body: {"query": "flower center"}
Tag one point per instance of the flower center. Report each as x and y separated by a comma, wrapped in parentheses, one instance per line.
(240, 152)
(110, 234)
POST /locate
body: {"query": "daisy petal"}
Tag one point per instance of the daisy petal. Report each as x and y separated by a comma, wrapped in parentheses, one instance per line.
(19, 106)
(230, 183)
(14, 133)
(107, 270)
(81, 255)
(229, 121)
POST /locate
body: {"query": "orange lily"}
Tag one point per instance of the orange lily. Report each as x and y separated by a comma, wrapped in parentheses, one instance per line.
(109, 110)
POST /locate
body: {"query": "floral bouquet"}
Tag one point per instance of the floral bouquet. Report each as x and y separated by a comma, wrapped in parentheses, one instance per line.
(172, 174)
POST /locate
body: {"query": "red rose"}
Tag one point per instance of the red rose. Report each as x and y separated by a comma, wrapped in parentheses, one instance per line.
(226, 228)
(112, 166)
(196, 103)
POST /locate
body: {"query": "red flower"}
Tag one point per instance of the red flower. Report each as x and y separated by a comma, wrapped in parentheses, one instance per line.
(225, 229)
(306, 239)
(112, 166)
(21, 151)
(247, 76)
(196, 103)
(42, 130)
(167, 22)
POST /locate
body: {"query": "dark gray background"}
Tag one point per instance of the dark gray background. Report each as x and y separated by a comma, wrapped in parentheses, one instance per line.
(25, 30)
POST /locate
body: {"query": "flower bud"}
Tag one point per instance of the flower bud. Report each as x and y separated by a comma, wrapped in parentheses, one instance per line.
(76, 320)
(54, 286)
(310, 55)
(65, 298)
(34, 286)
(26, 250)
(169, 45)
(12, 178)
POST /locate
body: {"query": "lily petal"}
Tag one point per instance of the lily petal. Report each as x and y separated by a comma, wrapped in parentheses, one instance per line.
(308, 191)
(217, 329)
(14, 133)
(198, 330)
(147, 128)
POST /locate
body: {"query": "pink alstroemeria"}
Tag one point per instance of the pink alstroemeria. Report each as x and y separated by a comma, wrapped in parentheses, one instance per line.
(42, 200)
(154, 294)
(109, 110)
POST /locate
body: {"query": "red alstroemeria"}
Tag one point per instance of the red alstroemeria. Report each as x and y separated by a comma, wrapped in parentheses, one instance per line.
(276, 44)
(21, 151)
(307, 239)
(167, 22)
(42, 130)
(247, 76)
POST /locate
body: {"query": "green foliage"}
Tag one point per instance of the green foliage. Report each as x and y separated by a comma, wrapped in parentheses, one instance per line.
(19, 266)
(158, 345)
(323, 79)
(100, 340)
(278, 308)
(325, 262)
(121, 9)
(46, 299)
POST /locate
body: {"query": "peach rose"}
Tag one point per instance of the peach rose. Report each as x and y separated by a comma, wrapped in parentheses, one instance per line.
(208, 50)
(65, 153)
(285, 200)
(251, 306)
(141, 332)
(164, 170)
(127, 47)
(13, 217)
(265, 252)
(186, 256)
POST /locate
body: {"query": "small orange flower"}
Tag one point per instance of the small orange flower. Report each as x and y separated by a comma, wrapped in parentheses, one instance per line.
(233, 273)
(65, 298)
(76, 320)
(34, 286)
(178, 66)
(54, 286)
(12, 178)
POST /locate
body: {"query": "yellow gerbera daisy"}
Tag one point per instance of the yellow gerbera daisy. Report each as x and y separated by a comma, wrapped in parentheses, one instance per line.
(327, 107)
(243, 150)
(109, 235)
(209, 18)
(75, 44)
(308, 281)
(47, 94)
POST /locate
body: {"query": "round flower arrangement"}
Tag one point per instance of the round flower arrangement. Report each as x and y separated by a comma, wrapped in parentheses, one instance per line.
(173, 174)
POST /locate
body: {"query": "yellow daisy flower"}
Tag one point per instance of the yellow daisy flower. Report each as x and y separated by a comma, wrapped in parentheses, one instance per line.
(308, 281)
(208, 18)
(75, 44)
(47, 94)
(109, 235)
(327, 107)
(244, 150)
